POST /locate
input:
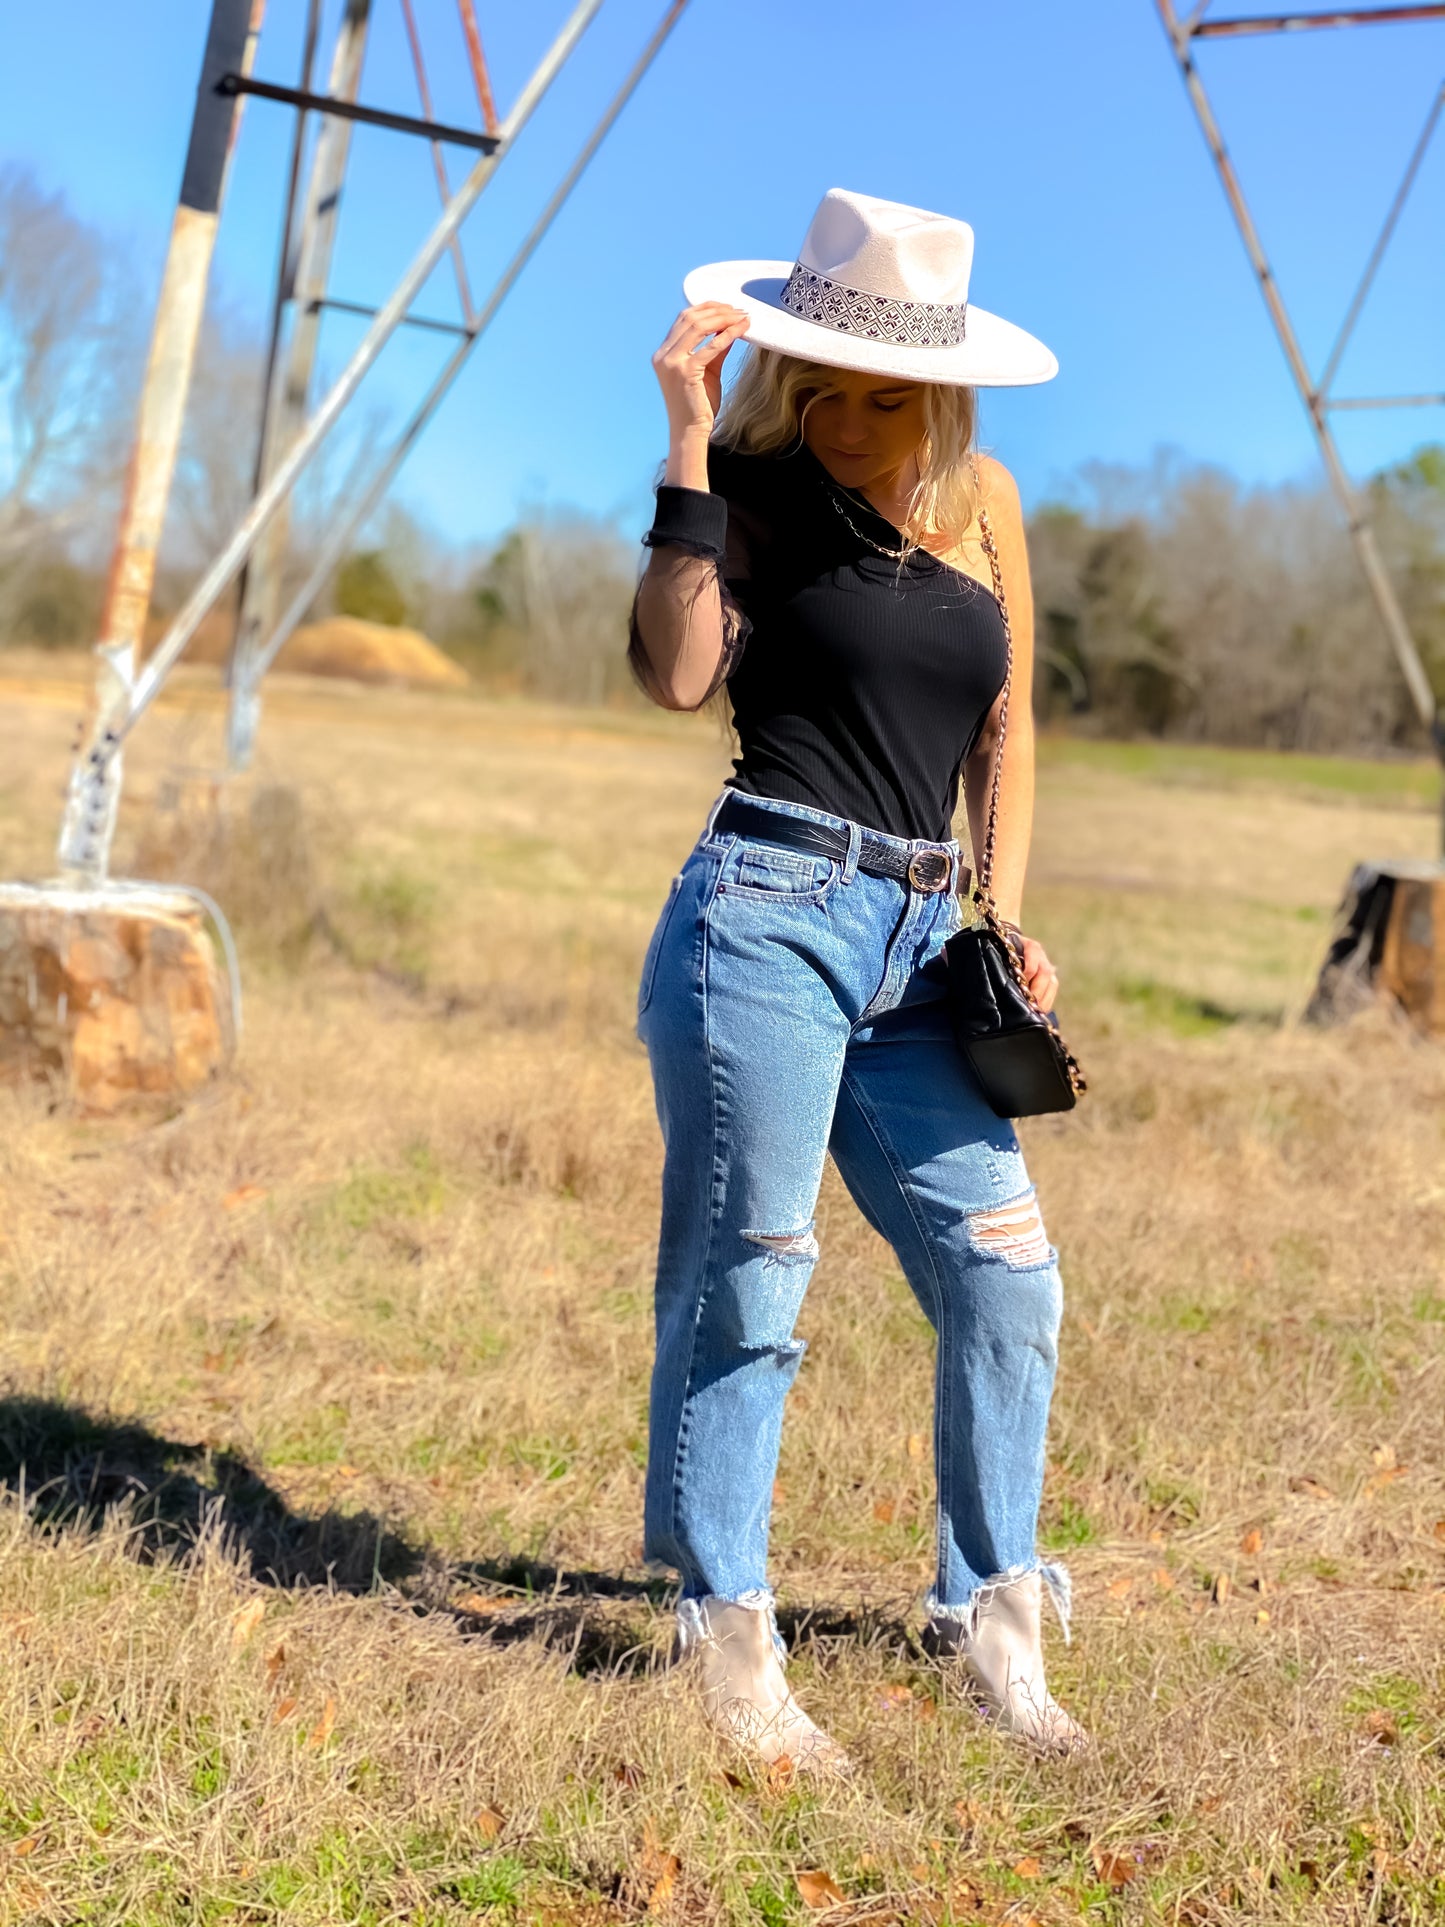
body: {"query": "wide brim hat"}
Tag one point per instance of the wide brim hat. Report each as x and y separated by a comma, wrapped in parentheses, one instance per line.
(882, 288)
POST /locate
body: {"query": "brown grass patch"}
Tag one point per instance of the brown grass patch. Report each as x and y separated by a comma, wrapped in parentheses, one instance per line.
(322, 1406)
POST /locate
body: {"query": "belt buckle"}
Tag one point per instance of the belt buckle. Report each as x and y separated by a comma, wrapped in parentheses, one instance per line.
(928, 870)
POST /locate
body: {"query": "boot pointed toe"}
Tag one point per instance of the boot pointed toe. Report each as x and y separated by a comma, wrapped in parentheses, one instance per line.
(999, 1644)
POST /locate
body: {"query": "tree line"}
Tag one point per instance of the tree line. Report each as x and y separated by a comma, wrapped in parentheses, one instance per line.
(1172, 600)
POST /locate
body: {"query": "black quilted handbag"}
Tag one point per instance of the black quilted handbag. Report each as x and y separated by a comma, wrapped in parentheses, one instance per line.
(1014, 1048)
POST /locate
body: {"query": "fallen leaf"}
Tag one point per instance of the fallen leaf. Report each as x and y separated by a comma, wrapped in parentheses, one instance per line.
(283, 1711)
(1156, 1537)
(274, 1662)
(1261, 1618)
(1438, 1529)
(1252, 1542)
(968, 1813)
(212, 1361)
(348, 1471)
(1383, 1458)
(779, 1495)
(1114, 1869)
(1211, 1803)
(916, 1445)
(26, 1846)
(482, 1602)
(668, 1869)
(627, 1775)
(890, 1698)
(779, 1776)
(730, 1779)
(926, 1707)
(243, 1194)
(245, 1622)
(1120, 1588)
(1311, 1488)
(1028, 1868)
(488, 1822)
(1382, 1726)
(321, 1732)
(1377, 1481)
(1163, 1578)
(820, 1890)
(883, 1512)
(1221, 1588)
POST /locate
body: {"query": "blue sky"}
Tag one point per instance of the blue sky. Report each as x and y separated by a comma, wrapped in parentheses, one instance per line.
(1059, 128)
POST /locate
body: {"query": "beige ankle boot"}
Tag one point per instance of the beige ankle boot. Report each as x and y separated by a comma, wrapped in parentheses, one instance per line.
(1000, 1641)
(735, 1649)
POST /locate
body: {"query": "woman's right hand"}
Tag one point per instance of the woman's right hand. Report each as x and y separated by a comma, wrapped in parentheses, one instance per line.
(690, 377)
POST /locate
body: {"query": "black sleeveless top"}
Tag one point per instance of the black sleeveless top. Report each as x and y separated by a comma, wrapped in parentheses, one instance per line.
(856, 687)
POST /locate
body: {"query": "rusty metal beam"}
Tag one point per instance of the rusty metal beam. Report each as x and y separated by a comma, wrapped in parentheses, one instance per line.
(366, 499)
(1377, 253)
(1303, 22)
(1362, 534)
(224, 569)
(1386, 401)
(439, 163)
(477, 60)
(93, 795)
(352, 110)
(288, 392)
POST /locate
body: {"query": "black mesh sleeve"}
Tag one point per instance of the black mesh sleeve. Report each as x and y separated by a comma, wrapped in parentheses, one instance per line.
(696, 524)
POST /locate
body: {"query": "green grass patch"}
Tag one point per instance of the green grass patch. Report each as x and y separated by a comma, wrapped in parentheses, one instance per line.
(1413, 784)
(1164, 1006)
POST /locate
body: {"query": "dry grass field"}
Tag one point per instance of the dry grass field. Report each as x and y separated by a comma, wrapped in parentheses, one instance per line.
(322, 1402)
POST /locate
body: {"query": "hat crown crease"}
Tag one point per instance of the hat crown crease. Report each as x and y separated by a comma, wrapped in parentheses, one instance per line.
(889, 249)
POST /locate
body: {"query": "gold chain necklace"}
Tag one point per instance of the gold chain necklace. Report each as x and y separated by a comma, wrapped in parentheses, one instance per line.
(833, 489)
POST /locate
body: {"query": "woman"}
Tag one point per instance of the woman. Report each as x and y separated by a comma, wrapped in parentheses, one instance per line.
(821, 546)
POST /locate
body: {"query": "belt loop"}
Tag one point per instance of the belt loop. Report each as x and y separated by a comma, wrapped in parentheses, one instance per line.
(855, 850)
(723, 794)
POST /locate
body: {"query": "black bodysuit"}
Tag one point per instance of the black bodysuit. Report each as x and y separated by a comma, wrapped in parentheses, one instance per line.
(856, 687)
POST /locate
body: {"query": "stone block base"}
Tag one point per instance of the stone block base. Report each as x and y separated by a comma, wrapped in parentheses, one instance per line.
(114, 994)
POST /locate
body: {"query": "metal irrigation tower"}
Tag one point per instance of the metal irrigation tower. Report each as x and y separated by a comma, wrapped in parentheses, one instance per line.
(1319, 400)
(292, 430)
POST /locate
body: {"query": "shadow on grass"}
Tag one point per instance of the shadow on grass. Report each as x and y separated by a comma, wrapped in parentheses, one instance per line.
(74, 1469)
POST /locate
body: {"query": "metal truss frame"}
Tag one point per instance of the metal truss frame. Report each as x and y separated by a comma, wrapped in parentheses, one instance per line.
(1317, 395)
(290, 437)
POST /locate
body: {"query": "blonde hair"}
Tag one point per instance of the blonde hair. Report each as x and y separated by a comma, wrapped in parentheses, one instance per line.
(763, 412)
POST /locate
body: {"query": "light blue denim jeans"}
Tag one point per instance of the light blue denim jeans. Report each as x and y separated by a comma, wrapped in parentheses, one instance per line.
(793, 1005)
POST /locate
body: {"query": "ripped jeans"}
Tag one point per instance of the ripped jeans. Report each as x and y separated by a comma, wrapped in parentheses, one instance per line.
(792, 1005)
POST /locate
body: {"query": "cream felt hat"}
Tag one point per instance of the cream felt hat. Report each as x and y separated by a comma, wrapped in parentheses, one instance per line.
(883, 288)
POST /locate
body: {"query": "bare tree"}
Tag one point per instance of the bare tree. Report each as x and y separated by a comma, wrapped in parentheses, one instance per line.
(67, 361)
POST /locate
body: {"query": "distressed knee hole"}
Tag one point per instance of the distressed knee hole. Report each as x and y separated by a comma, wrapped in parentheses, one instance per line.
(1013, 1232)
(787, 1247)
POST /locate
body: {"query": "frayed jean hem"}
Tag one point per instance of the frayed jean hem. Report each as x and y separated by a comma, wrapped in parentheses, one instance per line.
(961, 1617)
(692, 1617)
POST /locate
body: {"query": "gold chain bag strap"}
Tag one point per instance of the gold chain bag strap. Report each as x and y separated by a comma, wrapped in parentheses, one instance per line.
(1014, 1048)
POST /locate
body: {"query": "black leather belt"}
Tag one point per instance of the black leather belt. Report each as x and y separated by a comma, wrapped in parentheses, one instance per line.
(928, 870)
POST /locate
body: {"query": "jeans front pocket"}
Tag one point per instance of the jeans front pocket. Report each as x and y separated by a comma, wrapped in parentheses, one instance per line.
(654, 947)
(757, 869)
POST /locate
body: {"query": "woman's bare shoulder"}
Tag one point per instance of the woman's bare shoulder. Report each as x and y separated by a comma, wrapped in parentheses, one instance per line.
(1000, 490)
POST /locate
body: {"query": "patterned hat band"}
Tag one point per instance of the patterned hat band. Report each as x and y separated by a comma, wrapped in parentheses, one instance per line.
(916, 324)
